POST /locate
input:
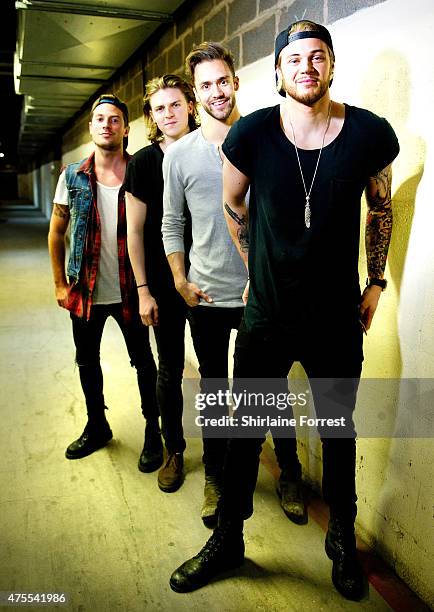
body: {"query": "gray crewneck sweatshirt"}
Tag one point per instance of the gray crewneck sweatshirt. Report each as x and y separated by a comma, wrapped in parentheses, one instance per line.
(192, 171)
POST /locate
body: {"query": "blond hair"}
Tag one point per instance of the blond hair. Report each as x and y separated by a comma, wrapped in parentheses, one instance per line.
(165, 82)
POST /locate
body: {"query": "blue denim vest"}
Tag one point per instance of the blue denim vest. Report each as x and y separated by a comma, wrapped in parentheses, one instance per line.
(80, 203)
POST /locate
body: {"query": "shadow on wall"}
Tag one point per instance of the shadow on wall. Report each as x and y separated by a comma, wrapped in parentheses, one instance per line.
(387, 92)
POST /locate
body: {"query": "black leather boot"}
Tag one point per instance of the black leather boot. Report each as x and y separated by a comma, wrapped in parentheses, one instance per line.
(151, 456)
(96, 434)
(347, 574)
(223, 551)
(292, 500)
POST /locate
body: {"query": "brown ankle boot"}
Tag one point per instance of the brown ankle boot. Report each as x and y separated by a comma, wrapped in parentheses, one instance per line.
(171, 475)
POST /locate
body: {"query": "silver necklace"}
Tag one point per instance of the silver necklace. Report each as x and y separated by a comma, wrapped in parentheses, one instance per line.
(307, 211)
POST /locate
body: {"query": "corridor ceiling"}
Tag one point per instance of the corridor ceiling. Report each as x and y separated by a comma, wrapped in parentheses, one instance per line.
(67, 50)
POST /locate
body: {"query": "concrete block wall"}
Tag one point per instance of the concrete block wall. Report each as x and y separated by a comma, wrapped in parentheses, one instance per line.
(247, 27)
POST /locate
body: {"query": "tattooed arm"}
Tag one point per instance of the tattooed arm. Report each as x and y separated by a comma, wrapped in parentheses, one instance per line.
(377, 237)
(235, 186)
(56, 246)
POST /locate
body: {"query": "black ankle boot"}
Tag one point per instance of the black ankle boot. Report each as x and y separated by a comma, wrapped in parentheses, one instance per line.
(347, 574)
(292, 500)
(152, 454)
(223, 551)
(96, 434)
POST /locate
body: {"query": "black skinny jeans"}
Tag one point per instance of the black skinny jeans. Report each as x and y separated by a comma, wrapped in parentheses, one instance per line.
(169, 336)
(270, 355)
(87, 338)
(210, 329)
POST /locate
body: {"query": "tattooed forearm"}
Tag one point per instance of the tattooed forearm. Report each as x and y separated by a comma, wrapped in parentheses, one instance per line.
(243, 230)
(378, 222)
(61, 211)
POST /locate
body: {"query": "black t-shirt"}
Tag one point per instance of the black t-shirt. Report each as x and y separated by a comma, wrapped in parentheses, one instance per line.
(144, 180)
(300, 276)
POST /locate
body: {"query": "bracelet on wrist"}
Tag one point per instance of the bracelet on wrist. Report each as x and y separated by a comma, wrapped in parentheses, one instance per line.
(142, 285)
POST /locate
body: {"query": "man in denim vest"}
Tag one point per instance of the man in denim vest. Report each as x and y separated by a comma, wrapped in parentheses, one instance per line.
(99, 282)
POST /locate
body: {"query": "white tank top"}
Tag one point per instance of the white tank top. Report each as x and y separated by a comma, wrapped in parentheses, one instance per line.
(107, 288)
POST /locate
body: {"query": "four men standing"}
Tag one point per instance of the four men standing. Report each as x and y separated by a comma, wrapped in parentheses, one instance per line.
(306, 162)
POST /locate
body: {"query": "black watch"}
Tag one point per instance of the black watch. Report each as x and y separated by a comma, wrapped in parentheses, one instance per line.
(379, 282)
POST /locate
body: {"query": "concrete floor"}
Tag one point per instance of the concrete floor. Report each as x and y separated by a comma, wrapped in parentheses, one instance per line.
(98, 529)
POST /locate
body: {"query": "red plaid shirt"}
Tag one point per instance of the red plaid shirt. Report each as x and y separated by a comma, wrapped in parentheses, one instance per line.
(80, 293)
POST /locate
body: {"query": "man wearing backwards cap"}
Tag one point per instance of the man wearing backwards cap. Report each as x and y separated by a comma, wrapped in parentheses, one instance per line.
(307, 162)
(100, 282)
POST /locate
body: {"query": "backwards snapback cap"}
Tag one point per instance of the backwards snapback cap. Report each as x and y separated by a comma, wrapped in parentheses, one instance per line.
(111, 99)
(284, 38)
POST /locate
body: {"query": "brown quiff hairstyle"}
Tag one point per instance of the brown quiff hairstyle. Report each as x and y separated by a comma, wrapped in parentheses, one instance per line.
(207, 52)
(165, 82)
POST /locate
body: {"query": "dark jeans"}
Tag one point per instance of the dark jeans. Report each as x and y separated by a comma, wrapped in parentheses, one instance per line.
(169, 335)
(87, 339)
(210, 329)
(270, 355)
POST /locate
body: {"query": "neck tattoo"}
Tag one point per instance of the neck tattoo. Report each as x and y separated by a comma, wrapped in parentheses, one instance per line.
(307, 211)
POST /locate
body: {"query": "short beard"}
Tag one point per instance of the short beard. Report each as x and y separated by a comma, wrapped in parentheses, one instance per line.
(230, 108)
(309, 98)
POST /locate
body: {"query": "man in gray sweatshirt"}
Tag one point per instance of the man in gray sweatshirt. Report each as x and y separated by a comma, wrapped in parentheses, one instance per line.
(217, 278)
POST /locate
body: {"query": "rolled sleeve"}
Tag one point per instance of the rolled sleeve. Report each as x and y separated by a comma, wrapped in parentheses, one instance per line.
(386, 148)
